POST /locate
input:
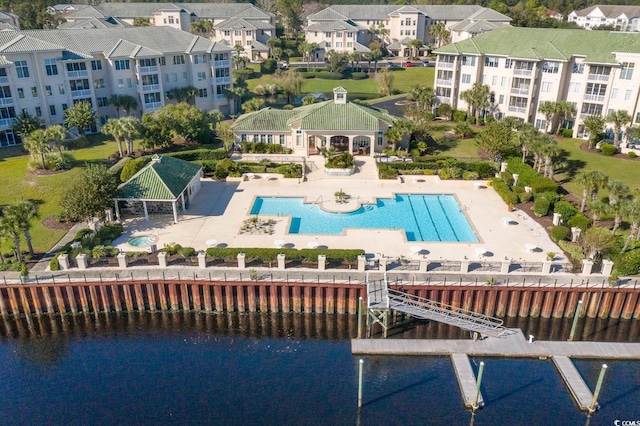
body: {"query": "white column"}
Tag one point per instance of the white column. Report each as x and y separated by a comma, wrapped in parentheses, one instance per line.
(175, 212)
(146, 212)
(184, 207)
(351, 145)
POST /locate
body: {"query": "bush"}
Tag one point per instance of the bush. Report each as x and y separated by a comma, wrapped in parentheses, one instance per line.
(553, 197)
(268, 66)
(471, 119)
(508, 196)
(566, 133)
(541, 207)
(117, 168)
(359, 75)
(518, 189)
(631, 154)
(54, 264)
(468, 175)
(566, 210)
(459, 116)
(187, 252)
(199, 154)
(559, 233)
(230, 253)
(629, 263)
(243, 73)
(172, 248)
(328, 75)
(579, 220)
(544, 185)
(525, 197)
(608, 149)
(573, 250)
(287, 107)
(507, 178)
(133, 167)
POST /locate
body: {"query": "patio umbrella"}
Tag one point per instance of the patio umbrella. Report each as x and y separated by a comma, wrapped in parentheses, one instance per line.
(530, 247)
(313, 244)
(506, 220)
(211, 243)
(279, 243)
(415, 249)
(480, 251)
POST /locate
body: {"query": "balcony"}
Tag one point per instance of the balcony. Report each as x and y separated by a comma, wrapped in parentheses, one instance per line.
(4, 80)
(599, 77)
(445, 65)
(596, 98)
(221, 96)
(7, 122)
(585, 115)
(223, 80)
(517, 109)
(221, 64)
(151, 88)
(520, 90)
(443, 100)
(148, 70)
(6, 101)
(152, 105)
(76, 74)
(522, 72)
(443, 82)
(81, 93)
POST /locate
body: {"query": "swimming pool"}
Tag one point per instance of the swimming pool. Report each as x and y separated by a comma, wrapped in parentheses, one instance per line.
(422, 217)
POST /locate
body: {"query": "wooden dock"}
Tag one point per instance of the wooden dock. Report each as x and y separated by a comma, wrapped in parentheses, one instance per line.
(573, 380)
(515, 345)
(466, 381)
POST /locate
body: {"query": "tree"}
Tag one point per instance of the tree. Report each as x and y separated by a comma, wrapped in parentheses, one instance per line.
(548, 108)
(588, 182)
(440, 32)
(598, 209)
(497, 140)
(156, 131)
(37, 145)
(600, 179)
(336, 60)
(90, 195)
(385, 82)
(379, 32)
(202, 26)
(80, 116)
(26, 123)
(619, 118)
(56, 135)
(526, 137)
(291, 83)
(141, 22)
(397, 131)
(130, 130)
(423, 96)
(20, 215)
(113, 128)
(307, 49)
(564, 110)
(550, 151)
(290, 12)
(182, 94)
(415, 46)
(188, 122)
(10, 230)
(595, 241)
(225, 134)
(594, 124)
(617, 191)
(445, 110)
(253, 105)
(477, 98)
(355, 58)
(631, 214)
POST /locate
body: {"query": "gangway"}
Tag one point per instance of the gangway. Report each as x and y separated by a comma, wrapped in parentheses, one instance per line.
(381, 299)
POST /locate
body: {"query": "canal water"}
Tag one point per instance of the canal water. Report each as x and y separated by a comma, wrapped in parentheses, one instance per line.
(282, 369)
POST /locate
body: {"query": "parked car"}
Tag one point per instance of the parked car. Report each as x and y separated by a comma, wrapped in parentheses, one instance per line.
(408, 64)
(427, 64)
(284, 64)
(391, 64)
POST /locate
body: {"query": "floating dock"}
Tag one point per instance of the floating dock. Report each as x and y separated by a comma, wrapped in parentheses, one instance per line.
(466, 381)
(574, 381)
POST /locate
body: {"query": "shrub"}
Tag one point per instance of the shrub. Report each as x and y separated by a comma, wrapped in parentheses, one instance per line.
(518, 189)
(54, 264)
(508, 196)
(566, 209)
(328, 75)
(471, 119)
(579, 220)
(187, 252)
(271, 254)
(631, 154)
(243, 73)
(553, 197)
(559, 233)
(359, 75)
(544, 185)
(459, 116)
(463, 129)
(566, 133)
(133, 167)
(629, 263)
(268, 66)
(525, 197)
(117, 168)
(573, 250)
(507, 178)
(172, 248)
(468, 175)
(199, 154)
(608, 149)
(541, 207)
(288, 107)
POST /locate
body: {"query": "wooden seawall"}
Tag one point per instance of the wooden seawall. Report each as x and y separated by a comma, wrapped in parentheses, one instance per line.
(307, 297)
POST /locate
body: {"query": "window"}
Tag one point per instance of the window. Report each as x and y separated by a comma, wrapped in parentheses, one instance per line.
(627, 71)
(247, 43)
(546, 87)
(61, 88)
(178, 59)
(327, 35)
(98, 83)
(79, 84)
(34, 91)
(151, 98)
(269, 138)
(578, 68)
(491, 61)
(501, 99)
(255, 138)
(349, 44)
(227, 33)
(237, 33)
(503, 81)
(175, 77)
(199, 59)
(171, 21)
(508, 63)
(51, 67)
(38, 111)
(22, 69)
(64, 107)
(407, 21)
(541, 124)
(52, 109)
(494, 80)
(120, 83)
(550, 67)
(5, 92)
(122, 64)
(76, 66)
(202, 93)
(574, 87)
(282, 141)
(339, 34)
(614, 93)
(627, 95)
(129, 85)
(96, 65)
(338, 44)
(349, 35)
(596, 89)
(162, 61)
(202, 75)
(103, 101)
(249, 33)
(185, 76)
(466, 78)
(166, 78)
(20, 93)
(263, 138)
(637, 117)
(298, 138)
(468, 61)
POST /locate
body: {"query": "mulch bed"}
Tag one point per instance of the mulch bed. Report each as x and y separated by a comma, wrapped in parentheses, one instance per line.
(52, 222)
(585, 147)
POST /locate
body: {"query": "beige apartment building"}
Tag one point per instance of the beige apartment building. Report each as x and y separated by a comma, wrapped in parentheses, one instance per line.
(347, 28)
(594, 70)
(43, 72)
(236, 23)
(622, 18)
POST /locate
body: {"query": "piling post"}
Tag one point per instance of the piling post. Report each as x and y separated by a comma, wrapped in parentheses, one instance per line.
(603, 370)
(360, 368)
(576, 315)
(479, 381)
(360, 317)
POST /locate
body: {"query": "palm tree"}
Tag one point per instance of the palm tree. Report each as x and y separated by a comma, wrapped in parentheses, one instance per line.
(548, 108)
(617, 191)
(440, 32)
(415, 46)
(564, 110)
(307, 49)
(423, 96)
(525, 136)
(113, 128)
(594, 125)
(631, 213)
(203, 26)
(598, 209)
(618, 210)
(477, 98)
(619, 118)
(128, 103)
(21, 214)
(587, 181)
(550, 152)
(37, 143)
(600, 180)
(10, 229)
(56, 135)
(130, 130)
(397, 130)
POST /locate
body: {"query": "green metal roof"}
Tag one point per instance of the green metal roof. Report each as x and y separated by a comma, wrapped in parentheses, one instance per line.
(319, 116)
(547, 43)
(164, 178)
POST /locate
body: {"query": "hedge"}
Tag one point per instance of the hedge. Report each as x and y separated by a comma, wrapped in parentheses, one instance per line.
(199, 154)
(527, 176)
(559, 233)
(608, 149)
(507, 195)
(271, 254)
(579, 220)
(328, 75)
(566, 209)
(484, 169)
(629, 263)
(359, 75)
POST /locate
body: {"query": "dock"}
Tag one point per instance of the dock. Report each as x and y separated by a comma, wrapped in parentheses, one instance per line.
(466, 380)
(574, 382)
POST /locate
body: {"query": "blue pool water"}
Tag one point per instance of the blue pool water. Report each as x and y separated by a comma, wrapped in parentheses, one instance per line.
(422, 217)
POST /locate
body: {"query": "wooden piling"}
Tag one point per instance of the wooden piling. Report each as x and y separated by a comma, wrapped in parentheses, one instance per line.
(331, 301)
(536, 305)
(184, 293)
(115, 293)
(151, 297)
(140, 301)
(251, 298)
(319, 300)
(297, 303)
(502, 304)
(525, 303)
(228, 297)
(558, 308)
(104, 299)
(84, 304)
(127, 297)
(273, 298)
(263, 298)
(36, 300)
(512, 310)
(480, 299)
(195, 296)
(605, 306)
(307, 299)
(467, 303)
(162, 295)
(594, 303)
(547, 304)
(630, 305)
(572, 304)
(93, 295)
(353, 300)
(24, 300)
(72, 299)
(340, 303)
(57, 291)
(218, 301)
(3, 306)
(618, 302)
(457, 297)
(173, 296)
(285, 292)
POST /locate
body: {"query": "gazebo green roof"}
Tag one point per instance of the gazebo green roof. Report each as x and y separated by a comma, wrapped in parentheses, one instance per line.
(164, 178)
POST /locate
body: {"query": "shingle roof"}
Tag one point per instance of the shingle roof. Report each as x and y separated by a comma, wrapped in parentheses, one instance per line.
(235, 23)
(381, 12)
(611, 11)
(164, 178)
(92, 23)
(546, 43)
(479, 27)
(319, 116)
(334, 25)
(23, 43)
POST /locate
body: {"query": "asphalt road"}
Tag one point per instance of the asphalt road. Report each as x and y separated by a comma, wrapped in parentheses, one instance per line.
(390, 106)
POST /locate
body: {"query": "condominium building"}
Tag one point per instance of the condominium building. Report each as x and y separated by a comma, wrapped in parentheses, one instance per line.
(43, 72)
(622, 18)
(236, 23)
(348, 28)
(594, 70)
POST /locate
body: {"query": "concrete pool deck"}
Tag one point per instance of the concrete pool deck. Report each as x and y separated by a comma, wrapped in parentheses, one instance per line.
(219, 209)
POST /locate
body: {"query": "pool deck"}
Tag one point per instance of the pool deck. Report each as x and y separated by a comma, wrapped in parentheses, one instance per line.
(219, 209)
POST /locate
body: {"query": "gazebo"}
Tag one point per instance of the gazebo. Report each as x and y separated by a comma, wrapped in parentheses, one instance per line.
(165, 185)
